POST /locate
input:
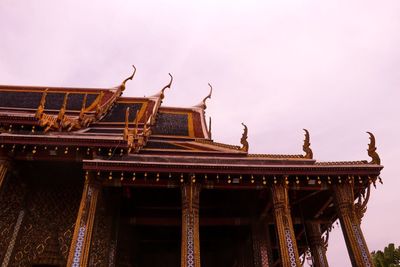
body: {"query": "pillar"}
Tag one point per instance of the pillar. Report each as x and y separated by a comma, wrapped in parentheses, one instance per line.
(289, 254)
(261, 251)
(318, 246)
(355, 242)
(80, 245)
(190, 244)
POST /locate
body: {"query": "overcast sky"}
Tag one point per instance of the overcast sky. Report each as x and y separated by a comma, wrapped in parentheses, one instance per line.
(332, 67)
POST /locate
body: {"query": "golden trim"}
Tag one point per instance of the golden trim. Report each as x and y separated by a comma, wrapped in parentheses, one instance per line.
(190, 125)
(85, 217)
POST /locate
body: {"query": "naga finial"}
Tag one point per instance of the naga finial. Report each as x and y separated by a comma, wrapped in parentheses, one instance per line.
(129, 78)
(243, 140)
(307, 145)
(372, 150)
(40, 109)
(167, 86)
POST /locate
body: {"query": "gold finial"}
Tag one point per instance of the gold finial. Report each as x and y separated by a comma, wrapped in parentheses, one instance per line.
(307, 145)
(126, 128)
(167, 86)
(372, 150)
(243, 140)
(40, 109)
(63, 108)
(129, 78)
(203, 102)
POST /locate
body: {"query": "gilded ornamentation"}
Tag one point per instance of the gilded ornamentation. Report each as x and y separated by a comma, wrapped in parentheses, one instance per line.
(11, 205)
(307, 145)
(243, 140)
(129, 78)
(80, 245)
(283, 221)
(135, 140)
(40, 109)
(190, 245)
(360, 207)
(203, 102)
(167, 86)
(86, 116)
(372, 150)
(101, 249)
(350, 218)
(43, 235)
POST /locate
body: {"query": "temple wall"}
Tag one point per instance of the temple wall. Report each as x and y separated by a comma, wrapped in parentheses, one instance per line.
(37, 218)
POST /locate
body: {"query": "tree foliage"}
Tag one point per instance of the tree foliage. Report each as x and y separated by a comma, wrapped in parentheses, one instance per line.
(390, 257)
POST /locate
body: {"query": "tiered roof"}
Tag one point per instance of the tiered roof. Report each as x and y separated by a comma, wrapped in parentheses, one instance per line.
(136, 130)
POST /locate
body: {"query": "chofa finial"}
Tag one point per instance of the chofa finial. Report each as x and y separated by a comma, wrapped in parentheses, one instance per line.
(129, 78)
(203, 102)
(243, 140)
(167, 86)
(372, 150)
(307, 145)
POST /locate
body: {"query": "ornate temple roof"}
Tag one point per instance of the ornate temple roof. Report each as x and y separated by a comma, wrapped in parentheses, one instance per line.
(131, 130)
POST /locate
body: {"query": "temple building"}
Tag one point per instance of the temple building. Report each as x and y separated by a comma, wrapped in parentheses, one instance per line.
(89, 177)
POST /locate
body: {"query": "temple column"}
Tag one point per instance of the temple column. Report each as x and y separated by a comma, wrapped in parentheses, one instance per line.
(190, 244)
(318, 246)
(260, 246)
(80, 245)
(355, 242)
(289, 254)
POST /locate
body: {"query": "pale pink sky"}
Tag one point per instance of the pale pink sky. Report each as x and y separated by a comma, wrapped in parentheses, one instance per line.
(332, 67)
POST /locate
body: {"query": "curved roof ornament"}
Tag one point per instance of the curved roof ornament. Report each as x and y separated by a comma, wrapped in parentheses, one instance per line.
(203, 102)
(372, 150)
(243, 140)
(167, 86)
(129, 78)
(307, 145)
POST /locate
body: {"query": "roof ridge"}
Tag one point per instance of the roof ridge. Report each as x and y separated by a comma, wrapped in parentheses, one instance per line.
(211, 142)
(275, 156)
